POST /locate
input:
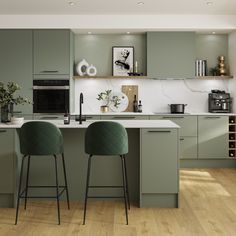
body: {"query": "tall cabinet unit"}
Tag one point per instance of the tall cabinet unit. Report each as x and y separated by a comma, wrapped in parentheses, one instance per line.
(170, 55)
(212, 137)
(16, 63)
(51, 53)
(159, 167)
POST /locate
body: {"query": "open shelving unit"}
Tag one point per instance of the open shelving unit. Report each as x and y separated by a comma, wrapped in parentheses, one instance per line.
(110, 77)
(232, 136)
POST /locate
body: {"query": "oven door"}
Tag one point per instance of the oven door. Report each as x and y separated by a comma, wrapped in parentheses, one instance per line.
(50, 99)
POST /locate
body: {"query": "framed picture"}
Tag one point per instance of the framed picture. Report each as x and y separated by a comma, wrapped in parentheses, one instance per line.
(122, 60)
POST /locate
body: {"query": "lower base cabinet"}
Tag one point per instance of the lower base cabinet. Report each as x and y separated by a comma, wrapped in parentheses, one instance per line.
(159, 167)
(188, 147)
(212, 137)
(6, 161)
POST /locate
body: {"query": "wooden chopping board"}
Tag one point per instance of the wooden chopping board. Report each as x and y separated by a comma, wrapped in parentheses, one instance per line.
(130, 91)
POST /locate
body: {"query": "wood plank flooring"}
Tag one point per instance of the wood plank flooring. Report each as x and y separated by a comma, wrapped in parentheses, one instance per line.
(207, 207)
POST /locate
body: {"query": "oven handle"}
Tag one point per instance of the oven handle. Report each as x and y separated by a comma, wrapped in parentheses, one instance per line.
(51, 87)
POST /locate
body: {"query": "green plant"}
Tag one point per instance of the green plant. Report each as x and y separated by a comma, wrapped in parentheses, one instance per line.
(108, 98)
(7, 95)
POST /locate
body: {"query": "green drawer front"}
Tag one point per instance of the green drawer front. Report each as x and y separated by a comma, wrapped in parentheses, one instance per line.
(188, 124)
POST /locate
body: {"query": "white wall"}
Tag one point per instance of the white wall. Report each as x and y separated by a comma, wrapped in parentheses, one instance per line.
(155, 94)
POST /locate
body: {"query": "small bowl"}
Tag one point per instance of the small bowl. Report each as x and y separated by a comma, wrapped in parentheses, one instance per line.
(17, 120)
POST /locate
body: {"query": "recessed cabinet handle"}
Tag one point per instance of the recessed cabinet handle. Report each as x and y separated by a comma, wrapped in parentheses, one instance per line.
(49, 118)
(49, 71)
(159, 131)
(182, 139)
(123, 117)
(17, 112)
(3, 131)
(171, 117)
(212, 117)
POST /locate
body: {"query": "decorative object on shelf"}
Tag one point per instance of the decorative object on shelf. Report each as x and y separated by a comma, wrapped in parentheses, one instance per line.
(109, 99)
(214, 71)
(7, 100)
(91, 70)
(200, 67)
(122, 60)
(17, 120)
(81, 67)
(222, 66)
(123, 102)
(130, 91)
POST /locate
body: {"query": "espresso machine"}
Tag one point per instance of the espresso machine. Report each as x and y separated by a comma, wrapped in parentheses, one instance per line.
(219, 102)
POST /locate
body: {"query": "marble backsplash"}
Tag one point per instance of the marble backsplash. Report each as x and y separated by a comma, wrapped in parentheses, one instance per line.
(154, 94)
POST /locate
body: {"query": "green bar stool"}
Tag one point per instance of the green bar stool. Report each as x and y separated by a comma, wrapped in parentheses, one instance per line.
(105, 138)
(39, 138)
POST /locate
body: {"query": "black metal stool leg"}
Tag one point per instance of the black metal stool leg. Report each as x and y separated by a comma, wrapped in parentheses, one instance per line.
(19, 188)
(124, 188)
(87, 187)
(57, 191)
(126, 180)
(27, 181)
(65, 178)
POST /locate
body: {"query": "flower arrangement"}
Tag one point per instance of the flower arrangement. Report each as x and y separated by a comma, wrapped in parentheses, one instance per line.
(7, 95)
(108, 98)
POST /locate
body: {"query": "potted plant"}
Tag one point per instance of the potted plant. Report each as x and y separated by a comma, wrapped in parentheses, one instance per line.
(8, 100)
(108, 99)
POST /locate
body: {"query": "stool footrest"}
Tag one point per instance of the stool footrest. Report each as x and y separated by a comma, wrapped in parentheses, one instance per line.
(59, 194)
(105, 186)
(105, 197)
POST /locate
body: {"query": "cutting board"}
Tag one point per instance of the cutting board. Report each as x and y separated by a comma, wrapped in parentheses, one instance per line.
(130, 91)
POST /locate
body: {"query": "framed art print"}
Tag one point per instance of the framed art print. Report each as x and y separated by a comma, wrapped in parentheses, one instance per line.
(122, 60)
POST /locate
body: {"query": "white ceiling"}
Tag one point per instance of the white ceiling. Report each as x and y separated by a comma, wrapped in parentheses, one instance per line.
(126, 7)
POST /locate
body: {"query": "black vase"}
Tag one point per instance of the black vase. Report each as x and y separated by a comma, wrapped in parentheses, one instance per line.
(5, 114)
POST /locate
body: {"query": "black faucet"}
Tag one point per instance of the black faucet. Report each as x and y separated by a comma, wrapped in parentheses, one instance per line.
(81, 101)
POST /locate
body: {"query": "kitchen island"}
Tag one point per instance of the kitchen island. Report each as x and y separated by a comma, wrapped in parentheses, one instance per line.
(152, 163)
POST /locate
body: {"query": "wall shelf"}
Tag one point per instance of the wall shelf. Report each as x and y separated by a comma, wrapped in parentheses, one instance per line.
(110, 77)
(214, 77)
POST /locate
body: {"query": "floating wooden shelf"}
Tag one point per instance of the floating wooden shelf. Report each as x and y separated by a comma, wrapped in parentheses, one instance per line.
(110, 77)
(214, 77)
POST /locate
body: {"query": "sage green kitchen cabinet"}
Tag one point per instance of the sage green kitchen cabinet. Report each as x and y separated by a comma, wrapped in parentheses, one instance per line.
(124, 117)
(188, 133)
(212, 136)
(51, 53)
(171, 55)
(6, 161)
(16, 63)
(159, 167)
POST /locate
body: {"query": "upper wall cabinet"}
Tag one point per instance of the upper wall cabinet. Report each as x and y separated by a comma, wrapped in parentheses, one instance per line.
(170, 55)
(51, 53)
(16, 63)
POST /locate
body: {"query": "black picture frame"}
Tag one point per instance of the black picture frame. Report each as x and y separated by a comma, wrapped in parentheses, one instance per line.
(122, 60)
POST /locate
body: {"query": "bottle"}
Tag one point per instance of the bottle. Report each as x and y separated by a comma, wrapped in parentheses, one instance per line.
(135, 104)
(67, 118)
(140, 106)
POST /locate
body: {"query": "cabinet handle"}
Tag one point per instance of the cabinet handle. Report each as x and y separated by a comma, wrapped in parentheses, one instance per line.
(17, 112)
(171, 117)
(182, 139)
(212, 117)
(49, 71)
(3, 131)
(49, 118)
(159, 131)
(123, 117)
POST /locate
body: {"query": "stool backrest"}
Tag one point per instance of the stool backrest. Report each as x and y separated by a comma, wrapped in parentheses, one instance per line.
(40, 138)
(106, 138)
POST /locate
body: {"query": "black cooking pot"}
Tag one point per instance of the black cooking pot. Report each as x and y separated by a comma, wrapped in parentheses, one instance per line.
(177, 108)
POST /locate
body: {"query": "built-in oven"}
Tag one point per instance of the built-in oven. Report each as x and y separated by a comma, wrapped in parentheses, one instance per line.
(51, 96)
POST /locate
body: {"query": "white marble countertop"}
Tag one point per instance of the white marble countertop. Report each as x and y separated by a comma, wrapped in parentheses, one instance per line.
(163, 124)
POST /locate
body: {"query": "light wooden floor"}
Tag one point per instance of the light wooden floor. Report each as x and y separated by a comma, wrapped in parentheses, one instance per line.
(208, 207)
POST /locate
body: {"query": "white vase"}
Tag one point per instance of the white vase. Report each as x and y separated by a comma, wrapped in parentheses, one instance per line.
(81, 67)
(91, 70)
